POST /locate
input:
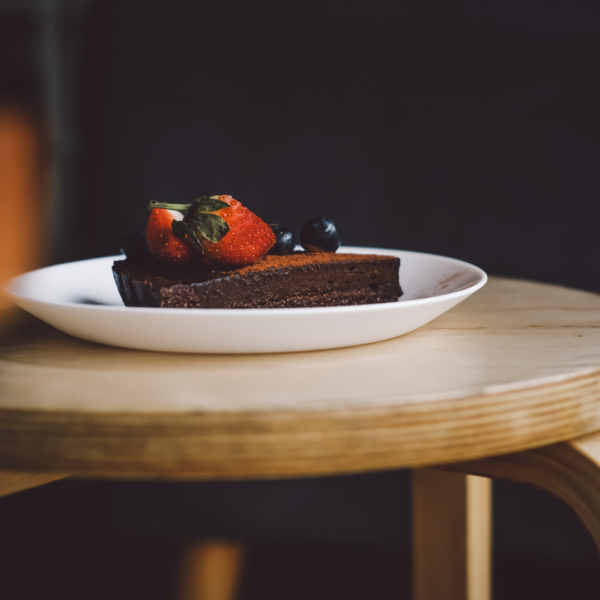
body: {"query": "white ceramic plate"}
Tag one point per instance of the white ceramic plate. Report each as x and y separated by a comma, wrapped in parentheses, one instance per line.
(81, 299)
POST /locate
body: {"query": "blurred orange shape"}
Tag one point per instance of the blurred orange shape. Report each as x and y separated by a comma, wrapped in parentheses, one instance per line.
(22, 233)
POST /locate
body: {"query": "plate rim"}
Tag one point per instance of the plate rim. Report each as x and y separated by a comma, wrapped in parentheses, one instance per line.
(9, 290)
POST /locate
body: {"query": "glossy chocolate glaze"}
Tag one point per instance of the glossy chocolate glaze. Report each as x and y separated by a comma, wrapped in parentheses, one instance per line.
(296, 280)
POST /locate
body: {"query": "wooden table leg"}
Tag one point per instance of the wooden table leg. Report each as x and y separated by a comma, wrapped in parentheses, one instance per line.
(451, 536)
(17, 481)
(570, 471)
(211, 571)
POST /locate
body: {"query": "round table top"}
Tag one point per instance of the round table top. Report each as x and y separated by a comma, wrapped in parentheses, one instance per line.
(515, 366)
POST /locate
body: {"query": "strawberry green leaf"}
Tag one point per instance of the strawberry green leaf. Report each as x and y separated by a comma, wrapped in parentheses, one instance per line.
(205, 204)
(212, 227)
(193, 237)
(179, 229)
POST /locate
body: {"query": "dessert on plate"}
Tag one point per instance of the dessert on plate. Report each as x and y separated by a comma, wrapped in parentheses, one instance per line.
(215, 253)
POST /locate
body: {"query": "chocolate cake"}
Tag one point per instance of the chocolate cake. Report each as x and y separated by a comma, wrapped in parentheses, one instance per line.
(295, 280)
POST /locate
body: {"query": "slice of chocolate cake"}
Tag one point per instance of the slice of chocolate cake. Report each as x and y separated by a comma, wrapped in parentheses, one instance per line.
(295, 280)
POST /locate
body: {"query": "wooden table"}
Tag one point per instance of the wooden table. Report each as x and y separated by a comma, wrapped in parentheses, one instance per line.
(499, 387)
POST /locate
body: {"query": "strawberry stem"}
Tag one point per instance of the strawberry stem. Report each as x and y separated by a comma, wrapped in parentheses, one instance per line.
(168, 206)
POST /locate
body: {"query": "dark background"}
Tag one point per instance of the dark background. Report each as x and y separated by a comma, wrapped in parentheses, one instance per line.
(466, 129)
(469, 129)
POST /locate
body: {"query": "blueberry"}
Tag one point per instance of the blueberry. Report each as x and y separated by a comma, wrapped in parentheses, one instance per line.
(134, 245)
(320, 235)
(285, 240)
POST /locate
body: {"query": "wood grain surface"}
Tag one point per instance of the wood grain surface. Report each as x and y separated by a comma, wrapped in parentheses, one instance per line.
(514, 367)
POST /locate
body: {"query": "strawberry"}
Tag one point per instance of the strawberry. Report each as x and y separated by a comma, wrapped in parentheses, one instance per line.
(221, 228)
(164, 246)
(248, 239)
